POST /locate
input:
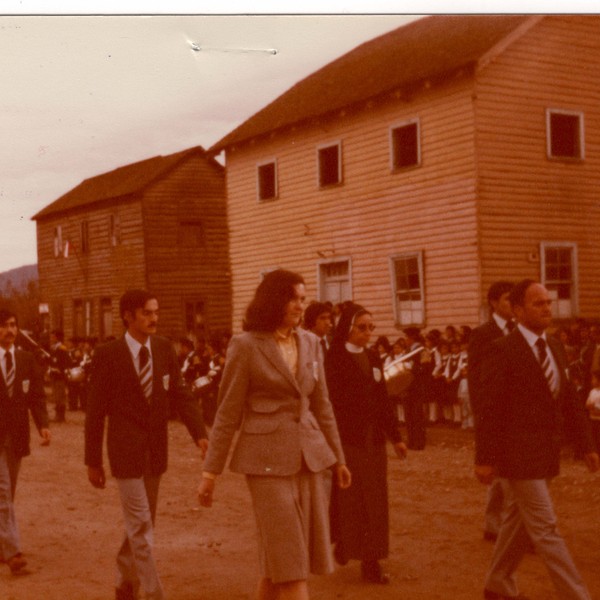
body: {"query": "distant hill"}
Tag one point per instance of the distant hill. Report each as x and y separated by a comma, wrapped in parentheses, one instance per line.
(18, 278)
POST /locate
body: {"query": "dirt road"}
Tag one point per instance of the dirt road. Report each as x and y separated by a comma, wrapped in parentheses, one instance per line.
(70, 531)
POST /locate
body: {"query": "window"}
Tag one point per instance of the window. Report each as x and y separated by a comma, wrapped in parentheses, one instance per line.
(564, 132)
(407, 285)
(559, 276)
(78, 323)
(405, 145)
(114, 229)
(85, 237)
(334, 281)
(194, 317)
(106, 319)
(191, 233)
(329, 159)
(267, 181)
(58, 244)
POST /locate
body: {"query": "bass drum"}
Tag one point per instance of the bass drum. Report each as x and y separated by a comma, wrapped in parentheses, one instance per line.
(76, 374)
(397, 377)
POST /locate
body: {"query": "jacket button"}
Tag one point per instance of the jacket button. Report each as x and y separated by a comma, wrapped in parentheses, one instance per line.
(267, 469)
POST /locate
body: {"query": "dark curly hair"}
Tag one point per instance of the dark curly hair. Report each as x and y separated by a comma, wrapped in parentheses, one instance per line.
(267, 309)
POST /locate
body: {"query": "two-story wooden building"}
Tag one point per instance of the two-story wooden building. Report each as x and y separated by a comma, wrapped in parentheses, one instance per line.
(158, 224)
(420, 167)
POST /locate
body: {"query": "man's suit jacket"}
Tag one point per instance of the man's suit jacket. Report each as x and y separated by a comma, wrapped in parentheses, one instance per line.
(283, 419)
(28, 395)
(519, 424)
(137, 428)
(480, 343)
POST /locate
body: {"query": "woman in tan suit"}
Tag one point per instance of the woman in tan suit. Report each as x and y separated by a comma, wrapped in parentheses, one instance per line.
(273, 389)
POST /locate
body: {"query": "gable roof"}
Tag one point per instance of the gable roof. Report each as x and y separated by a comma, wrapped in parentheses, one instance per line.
(123, 181)
(423, 50)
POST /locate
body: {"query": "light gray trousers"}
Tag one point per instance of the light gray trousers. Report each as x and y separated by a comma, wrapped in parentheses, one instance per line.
(9, 532)
(135, 562)
(529, 514)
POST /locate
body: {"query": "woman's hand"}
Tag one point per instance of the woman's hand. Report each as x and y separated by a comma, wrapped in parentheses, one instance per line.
(205, 491)
(344, 477)
(400, 449)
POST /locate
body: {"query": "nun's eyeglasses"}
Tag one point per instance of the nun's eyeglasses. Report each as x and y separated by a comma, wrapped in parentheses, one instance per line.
(364, 326)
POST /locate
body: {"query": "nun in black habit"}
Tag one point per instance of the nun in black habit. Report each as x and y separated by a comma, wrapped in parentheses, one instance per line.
(366, 419)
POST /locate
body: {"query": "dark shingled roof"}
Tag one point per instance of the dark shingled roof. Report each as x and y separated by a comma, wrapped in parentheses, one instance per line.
(124, 181)
(426, 49)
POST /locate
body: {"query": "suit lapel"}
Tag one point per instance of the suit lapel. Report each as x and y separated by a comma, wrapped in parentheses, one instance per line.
(268, 347)
(529, 362)
(129, 371)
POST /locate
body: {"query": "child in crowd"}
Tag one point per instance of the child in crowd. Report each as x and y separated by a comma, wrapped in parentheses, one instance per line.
(593, 406)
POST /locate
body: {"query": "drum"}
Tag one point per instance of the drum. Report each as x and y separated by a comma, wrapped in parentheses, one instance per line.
(397, 376)
(76, 374)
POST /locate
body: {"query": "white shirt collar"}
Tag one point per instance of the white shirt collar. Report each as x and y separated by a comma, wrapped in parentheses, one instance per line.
(135, 346)
(529, 336)
(500, 321)
(353, 348)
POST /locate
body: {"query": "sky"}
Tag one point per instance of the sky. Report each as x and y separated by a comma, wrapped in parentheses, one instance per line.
(82, 95)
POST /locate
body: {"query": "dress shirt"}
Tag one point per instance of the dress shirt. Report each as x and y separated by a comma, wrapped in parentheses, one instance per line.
(134, 348)
(3, 359)
(501, 322)
(531, 339)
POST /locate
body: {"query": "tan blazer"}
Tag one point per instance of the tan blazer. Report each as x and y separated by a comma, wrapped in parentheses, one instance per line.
(282, 419)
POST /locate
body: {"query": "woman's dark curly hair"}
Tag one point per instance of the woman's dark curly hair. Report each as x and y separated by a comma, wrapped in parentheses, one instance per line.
(267, 309)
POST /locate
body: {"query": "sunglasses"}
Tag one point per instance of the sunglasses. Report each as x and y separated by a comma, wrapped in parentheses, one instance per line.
(364, 327)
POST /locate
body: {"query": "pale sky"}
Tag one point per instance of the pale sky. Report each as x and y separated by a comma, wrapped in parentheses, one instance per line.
(82, 95)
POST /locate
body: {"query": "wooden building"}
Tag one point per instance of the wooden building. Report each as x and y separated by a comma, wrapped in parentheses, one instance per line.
(420, 167)
(158, 224)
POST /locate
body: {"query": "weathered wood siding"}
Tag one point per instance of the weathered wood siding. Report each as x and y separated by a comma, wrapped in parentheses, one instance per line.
(374, 214)
(105, 272)
(149, 254)
(526, 198)
(195, 191)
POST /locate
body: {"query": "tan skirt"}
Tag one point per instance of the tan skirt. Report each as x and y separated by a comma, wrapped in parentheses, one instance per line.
(292, 517)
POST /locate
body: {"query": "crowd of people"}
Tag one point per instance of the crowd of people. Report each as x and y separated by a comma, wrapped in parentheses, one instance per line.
(314, 401)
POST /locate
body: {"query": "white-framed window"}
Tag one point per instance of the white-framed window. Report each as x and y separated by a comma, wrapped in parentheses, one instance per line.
(334, 280)
(114, 229)
(58, 242)
(408, 288)
(106, 318)
(266, 180)
(559, 276)
(82, 318)
(405, 145)
(564, 134)
(329, 164)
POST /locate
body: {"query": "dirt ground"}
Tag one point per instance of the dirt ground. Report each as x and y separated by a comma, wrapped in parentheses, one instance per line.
(70, 531)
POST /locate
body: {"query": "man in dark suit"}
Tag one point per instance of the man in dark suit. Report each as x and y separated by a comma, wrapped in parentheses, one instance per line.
(21, 391)
(317, 318)
(499, 324)
(525, 393)
(132, 382)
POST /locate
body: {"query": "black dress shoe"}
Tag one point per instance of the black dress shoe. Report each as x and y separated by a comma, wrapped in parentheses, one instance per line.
(125, 592)
(340, 559)
(489, 595)
(371, 572)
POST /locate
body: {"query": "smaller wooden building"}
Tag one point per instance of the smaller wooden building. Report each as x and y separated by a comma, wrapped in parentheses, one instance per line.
(158, 224)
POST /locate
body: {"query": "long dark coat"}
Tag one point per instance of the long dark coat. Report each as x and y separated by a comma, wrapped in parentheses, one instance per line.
(366, 418)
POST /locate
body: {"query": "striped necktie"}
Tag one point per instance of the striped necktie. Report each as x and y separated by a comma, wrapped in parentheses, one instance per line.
(145, 372)
(546, 366)
(10, 373)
